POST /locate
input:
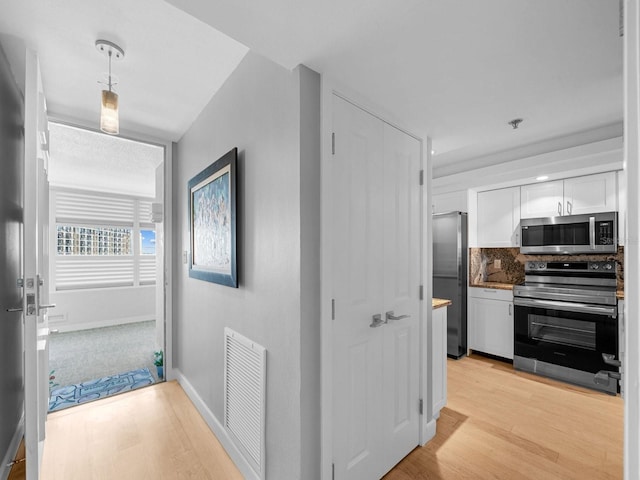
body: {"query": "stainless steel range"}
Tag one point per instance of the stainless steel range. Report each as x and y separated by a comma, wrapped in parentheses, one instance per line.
(566, 323)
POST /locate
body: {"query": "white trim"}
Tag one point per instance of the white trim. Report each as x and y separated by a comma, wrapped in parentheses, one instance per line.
(631, 361)
(167, 225)
(74, 327)
(326, 274)
(428, 430)
(12, 450)
(328, 89)
(216, 427)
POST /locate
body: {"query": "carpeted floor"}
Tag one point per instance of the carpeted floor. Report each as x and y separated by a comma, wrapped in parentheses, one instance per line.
(84, 355)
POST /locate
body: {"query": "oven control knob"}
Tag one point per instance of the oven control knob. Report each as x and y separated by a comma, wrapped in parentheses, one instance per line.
(608, 266)
(541, 266)
(595, 266)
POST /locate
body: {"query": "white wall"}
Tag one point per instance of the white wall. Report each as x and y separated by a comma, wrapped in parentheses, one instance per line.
(259, 110)
(94, 308)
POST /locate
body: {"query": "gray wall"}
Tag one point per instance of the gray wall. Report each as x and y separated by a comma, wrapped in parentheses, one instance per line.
(11, 157)
(272, 116)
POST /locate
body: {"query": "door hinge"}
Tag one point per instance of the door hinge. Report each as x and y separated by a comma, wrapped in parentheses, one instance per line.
(333, 143)
(421, 407)
(421, 292)
(333, 309)
(421, 177)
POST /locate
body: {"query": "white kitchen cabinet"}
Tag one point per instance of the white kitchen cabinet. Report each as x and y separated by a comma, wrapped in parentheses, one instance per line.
(499, 218)
(542, 199)
(490, 321)
(439, 349)
(572, 196)
(590, 194)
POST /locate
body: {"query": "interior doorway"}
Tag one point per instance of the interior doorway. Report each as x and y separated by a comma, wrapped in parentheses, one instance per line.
(106, 264)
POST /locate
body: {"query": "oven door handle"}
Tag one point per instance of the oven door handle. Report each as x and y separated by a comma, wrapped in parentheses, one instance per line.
(566, 306)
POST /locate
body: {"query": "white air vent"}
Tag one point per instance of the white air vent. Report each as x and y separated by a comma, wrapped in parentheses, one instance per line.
(245, 396)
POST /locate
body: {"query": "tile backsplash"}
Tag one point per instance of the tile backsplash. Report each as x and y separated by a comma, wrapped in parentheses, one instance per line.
(506, 265)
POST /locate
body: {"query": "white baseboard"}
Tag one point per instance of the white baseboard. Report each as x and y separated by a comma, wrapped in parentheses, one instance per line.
(428, 431)
(216, 427)
(12, 450)
(73, 327)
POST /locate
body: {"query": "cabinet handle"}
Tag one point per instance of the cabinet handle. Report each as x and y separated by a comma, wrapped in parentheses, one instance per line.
(517, 239)
(559, 208)
(510, 309)
(569, 207)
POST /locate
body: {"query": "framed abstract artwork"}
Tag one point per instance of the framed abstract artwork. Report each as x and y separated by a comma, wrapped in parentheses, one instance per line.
(212, 222)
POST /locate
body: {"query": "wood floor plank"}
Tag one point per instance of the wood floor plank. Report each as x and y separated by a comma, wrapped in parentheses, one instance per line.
(503, 424)
(154, 433)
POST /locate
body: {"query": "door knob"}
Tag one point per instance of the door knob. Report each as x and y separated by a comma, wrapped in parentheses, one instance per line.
(18, 309)
(53, 305)
(377, 321)
(389, 316)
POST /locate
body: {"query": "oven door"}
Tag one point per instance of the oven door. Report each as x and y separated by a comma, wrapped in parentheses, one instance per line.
(568, 334)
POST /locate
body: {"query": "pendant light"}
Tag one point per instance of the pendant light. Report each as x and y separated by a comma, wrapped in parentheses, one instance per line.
(109, 121)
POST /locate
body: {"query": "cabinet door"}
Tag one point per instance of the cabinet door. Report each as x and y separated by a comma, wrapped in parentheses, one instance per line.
(590, 194)
(542, 200)
(490, 327)
(439, 348)
(499, 218)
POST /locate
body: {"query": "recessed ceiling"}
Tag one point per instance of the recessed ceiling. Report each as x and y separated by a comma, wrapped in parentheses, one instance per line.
(88, 160)
(172, 67)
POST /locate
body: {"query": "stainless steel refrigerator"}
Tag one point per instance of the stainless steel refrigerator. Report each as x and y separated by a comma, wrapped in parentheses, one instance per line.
(450, 275)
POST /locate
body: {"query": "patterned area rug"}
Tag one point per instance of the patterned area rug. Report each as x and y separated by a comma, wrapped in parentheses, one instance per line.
(72, 395)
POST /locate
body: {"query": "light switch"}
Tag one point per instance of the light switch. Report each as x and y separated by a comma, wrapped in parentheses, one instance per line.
(497, 263)
(185, 256)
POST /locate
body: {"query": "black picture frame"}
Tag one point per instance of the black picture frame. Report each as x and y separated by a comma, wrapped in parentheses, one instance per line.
(212, 222)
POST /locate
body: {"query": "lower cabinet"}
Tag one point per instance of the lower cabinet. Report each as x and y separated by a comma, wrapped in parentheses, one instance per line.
(439, 349)
(490, 321)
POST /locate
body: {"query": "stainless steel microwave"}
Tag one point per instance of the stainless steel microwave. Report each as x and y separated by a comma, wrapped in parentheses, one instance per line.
(570, 234)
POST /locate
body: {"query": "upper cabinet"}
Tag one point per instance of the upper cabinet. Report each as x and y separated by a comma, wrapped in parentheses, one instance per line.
(499, 218)
(542, 199)
(591, 194)
(573, 196)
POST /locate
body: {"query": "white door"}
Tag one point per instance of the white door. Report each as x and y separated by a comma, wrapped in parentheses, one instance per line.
(34, 270)
(376, 261)
(401, 257)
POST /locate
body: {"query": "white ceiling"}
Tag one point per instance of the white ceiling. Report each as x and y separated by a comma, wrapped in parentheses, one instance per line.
(173, 63)
(93, 161)
(456, 70)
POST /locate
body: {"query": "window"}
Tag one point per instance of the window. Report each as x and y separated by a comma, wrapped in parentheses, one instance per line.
(101, 240)
(147, 242)
(74, 240)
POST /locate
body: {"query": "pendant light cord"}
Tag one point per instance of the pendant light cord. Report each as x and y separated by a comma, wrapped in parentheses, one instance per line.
(110, 53)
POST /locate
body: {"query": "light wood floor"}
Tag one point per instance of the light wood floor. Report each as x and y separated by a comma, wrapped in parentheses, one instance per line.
(151, 433)
(502, 424)
(498, 424)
